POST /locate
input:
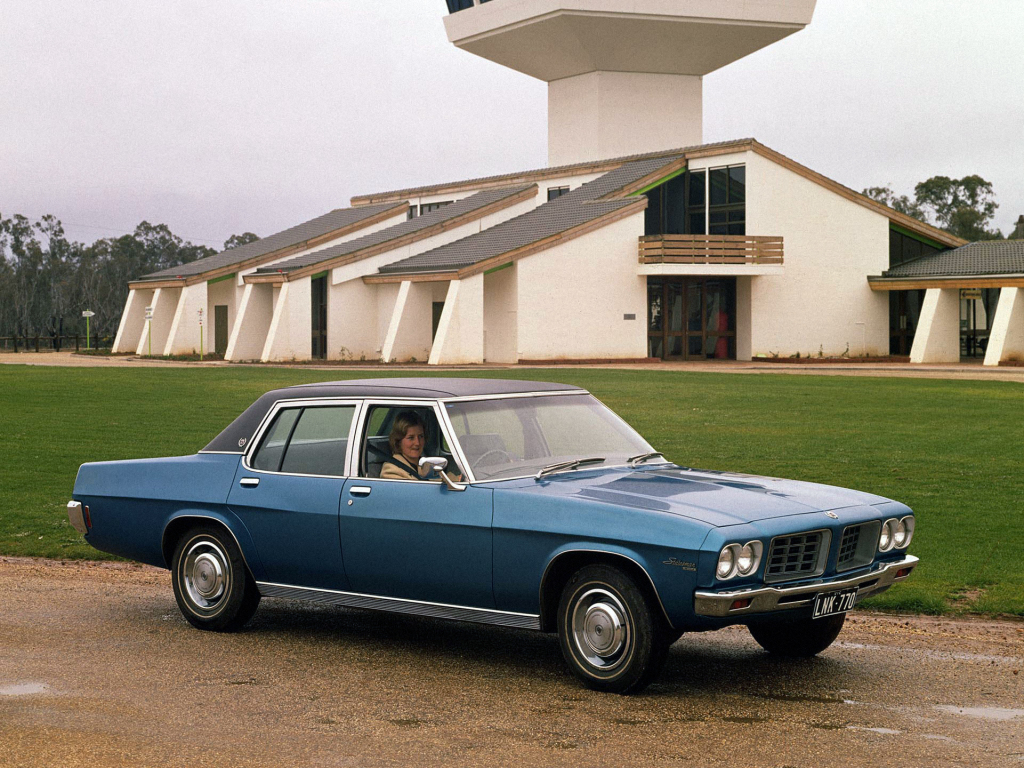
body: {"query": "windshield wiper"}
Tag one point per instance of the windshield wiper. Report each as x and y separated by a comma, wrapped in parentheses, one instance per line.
(641, 458)
(563, 466)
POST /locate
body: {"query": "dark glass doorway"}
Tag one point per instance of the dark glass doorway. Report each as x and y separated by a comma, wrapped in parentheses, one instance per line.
(691, 318)
(318, 301)
(977, 311)
(220, 328)
(904, 314)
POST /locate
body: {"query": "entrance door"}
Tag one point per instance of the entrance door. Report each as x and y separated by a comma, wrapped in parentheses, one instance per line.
(220, 328)
(318, 302)
(904, 312)
(691, 318)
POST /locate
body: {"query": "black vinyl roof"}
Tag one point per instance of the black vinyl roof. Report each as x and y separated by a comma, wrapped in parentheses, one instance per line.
(990, 257)
(578, 207)
(235, 438)
(309, 230)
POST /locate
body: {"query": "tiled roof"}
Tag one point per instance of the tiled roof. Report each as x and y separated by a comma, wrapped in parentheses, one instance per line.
(991, 257)
(567, 212)
(426, 221)
(310, 230)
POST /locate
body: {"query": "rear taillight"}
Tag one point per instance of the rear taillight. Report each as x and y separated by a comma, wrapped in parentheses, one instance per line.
(85, 513)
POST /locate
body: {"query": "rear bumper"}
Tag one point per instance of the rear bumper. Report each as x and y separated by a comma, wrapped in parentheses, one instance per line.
(769, 599)
(77, 517)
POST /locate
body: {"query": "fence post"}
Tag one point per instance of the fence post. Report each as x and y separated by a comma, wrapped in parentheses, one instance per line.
(37, 342)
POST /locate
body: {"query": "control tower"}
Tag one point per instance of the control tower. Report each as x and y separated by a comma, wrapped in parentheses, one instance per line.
(624, 76)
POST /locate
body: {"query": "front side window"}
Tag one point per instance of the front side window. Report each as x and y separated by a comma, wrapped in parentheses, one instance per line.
(307, 441)
(521, 436)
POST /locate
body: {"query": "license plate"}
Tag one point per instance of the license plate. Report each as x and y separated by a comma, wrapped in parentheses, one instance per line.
(831, 603)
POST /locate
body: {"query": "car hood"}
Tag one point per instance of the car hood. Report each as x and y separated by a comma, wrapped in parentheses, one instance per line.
(716, 498)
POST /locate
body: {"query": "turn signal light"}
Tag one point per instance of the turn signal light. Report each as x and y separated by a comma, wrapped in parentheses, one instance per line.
(88, 520)
(737, 604)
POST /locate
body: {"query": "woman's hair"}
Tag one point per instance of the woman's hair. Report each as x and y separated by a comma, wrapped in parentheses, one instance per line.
(403, 422)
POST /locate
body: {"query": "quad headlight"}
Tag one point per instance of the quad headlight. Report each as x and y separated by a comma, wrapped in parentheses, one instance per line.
(896, 534)
(739, 560)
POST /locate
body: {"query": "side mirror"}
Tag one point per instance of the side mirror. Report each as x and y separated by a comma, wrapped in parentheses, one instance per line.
(436, 466)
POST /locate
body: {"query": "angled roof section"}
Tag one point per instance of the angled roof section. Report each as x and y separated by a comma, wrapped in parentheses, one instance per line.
(595, 204)
(322, 229)
(690, 153)
(450, 216)
(989, 259)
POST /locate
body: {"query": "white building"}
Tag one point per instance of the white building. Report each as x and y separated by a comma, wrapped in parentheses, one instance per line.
(724, 251)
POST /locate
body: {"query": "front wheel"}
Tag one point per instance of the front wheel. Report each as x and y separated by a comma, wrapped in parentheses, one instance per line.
(212, 585)
(798, 639)
(611, 637)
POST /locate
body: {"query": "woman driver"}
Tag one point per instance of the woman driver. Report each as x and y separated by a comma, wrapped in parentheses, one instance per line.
(408, 436)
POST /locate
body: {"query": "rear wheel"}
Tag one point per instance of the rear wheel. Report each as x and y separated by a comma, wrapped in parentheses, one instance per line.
(798, 639)
(611, 636)
(212, 585)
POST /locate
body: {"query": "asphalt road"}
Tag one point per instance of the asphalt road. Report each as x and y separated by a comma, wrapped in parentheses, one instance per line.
(98, 668)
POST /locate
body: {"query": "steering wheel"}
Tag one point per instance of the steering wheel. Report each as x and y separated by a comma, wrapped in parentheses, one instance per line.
(495, 451)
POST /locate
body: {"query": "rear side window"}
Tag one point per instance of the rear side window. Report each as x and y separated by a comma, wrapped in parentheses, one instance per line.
(307, 441)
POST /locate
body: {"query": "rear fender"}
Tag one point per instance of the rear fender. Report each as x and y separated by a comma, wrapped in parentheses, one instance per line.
(184, 519)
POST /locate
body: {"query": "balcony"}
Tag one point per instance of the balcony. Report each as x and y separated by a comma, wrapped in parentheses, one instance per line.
(711, 255)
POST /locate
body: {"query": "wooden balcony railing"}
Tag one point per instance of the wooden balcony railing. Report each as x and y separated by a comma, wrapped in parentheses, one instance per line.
(710, 249)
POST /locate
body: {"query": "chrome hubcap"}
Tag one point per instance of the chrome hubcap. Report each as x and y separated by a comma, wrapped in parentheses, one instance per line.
(600, 628)
(205, 574)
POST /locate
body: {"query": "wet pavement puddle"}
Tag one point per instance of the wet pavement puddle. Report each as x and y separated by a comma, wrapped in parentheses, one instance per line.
(983, 713)
(23, 689)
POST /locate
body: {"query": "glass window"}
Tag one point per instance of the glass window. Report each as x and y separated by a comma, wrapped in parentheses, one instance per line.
(521, 436)
(556, 192)
(737, 184)
(719, 186)
(271, 450)
(431, 207)
(695, 196)
(319, 442)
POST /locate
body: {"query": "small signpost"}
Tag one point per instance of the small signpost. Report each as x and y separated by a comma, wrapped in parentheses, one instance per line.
(149, 328)
(87, 314)
(200, 334)
(967, 294)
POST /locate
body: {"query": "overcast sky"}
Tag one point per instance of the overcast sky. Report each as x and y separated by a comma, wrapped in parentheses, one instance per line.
(221, 116)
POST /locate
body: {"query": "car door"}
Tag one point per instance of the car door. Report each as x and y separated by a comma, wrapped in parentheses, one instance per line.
(288, 488)
(416, 540)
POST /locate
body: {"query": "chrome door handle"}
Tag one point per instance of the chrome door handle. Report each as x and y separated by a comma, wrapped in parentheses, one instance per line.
(360, 490)
(249, 482)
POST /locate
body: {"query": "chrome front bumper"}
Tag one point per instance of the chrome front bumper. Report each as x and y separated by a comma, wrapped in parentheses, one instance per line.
(768, 599)
(77, 517)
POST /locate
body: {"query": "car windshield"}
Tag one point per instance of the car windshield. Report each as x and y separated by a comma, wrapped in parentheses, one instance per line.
(521, 436)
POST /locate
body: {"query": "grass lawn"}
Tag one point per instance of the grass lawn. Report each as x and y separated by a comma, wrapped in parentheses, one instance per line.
(952, 450)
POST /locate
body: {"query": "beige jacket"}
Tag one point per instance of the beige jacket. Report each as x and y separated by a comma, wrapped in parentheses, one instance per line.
(391, 472)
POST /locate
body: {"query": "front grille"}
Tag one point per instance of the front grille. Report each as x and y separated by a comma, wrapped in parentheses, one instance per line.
(794, 557)
(848, 545)
(857, 546)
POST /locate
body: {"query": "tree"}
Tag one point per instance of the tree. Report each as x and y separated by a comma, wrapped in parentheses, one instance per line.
(1018, 232)
(243, 239)
(963, 207)
(901, 203)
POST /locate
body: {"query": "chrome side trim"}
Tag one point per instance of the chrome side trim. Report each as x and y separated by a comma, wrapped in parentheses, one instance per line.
(223, 453)
(547, 568)
(401, 605)
(768, 599)
(77, 517)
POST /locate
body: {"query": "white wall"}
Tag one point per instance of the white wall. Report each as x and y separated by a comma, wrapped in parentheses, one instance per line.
(460, 337)
(1006, 340)
(937, 339)
(165, 304)
(291, 336)
(413, 340)
(572, 298)
(822, 302)
(249, 331)
(501, 302)
(183, 338)
(613, 114)
(133, 320)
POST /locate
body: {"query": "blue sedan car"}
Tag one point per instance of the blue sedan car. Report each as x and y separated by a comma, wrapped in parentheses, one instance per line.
(523, 504)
